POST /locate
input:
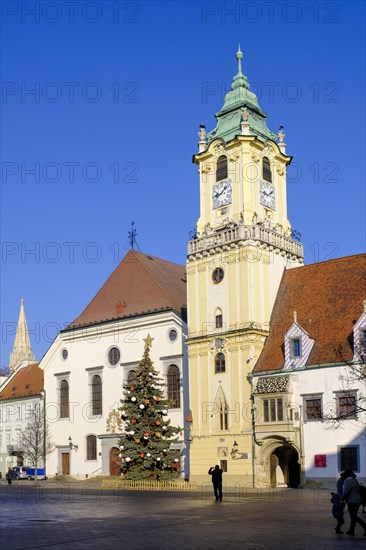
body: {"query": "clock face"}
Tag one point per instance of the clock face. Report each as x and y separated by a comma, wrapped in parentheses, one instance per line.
(221, 194)
(267, 195)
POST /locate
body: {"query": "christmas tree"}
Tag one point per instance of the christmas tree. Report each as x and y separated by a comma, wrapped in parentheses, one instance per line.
(145, 449)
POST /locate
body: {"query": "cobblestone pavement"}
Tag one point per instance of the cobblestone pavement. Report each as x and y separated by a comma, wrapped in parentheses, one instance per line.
(73, 516)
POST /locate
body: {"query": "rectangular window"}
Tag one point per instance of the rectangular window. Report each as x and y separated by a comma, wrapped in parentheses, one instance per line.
(363, 340)
(273, 410)
(296, 348)
(223, 465)
(349, 458)
(313, 408)
(347, 406)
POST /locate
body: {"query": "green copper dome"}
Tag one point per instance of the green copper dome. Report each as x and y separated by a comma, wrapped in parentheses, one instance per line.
(229, 118)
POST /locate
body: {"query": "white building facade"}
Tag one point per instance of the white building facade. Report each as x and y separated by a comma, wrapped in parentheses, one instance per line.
(87, 364)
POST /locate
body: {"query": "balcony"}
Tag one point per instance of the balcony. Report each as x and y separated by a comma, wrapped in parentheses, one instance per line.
(239, 235)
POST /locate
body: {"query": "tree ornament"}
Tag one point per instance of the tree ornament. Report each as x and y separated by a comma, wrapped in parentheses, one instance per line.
(121, 447)
(146, 434)
(157, 422)
(132, 432)
(137, 440)
(158, 459)
(142, 455)
(132, 388)
(176, 460)
(133, 398)
(158, 434)
(148, 454)
(141, 406)
(120, 455)
(127, 459)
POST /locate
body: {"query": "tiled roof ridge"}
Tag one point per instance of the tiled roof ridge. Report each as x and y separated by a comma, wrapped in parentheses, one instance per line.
(151, 276)
(137, 257)
(330, 261)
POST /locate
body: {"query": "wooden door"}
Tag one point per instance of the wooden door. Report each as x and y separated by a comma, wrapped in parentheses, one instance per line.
(114, 462)
(65, 458)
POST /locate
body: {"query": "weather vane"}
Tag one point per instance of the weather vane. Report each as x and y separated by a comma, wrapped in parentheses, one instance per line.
(132, 237)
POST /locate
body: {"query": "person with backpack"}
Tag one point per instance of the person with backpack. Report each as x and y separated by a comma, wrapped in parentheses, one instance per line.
(352, 496)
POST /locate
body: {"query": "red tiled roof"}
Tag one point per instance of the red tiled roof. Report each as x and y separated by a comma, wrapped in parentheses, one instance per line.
(328, 299)
(139, 284)
(25, 382)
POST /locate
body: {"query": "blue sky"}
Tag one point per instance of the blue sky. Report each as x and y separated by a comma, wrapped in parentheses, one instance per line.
(108, 132)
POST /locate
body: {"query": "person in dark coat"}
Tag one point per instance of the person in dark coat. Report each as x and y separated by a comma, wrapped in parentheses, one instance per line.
(337, 511)
(9, 476)
(352, 495)
(216, 475)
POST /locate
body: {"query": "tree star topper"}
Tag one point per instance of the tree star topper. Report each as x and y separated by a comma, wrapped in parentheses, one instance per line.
(148, 341)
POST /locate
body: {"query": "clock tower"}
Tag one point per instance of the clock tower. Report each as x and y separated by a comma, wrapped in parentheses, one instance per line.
(235, 262)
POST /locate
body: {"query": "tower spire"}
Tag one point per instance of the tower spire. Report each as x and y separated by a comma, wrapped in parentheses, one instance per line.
(229, 118)
(22, 350)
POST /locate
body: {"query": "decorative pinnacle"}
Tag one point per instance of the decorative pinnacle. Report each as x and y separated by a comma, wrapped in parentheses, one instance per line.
(295, 316)
(240, 80)
(239, 57)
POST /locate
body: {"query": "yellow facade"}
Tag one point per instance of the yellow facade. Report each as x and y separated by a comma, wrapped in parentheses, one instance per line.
(234, 267)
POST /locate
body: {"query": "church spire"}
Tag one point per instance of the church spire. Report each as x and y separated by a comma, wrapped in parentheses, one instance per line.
(22, 350)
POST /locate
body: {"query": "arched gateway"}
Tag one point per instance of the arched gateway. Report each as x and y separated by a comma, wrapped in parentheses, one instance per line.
(280, 462)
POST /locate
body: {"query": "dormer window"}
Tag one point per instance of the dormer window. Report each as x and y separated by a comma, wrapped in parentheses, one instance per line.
(221, 168)
(363, 341)
(296, 347)
(266, 170)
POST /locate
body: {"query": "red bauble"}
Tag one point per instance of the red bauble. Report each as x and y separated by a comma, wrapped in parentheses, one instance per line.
(157, 422)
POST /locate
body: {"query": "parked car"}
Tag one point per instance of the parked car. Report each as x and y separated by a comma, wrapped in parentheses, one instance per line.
(19, 472)
(25, 472)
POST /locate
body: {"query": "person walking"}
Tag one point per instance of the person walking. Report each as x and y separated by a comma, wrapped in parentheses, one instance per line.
(9, 476)
(216, 475)
(338, 505)
(352, 495)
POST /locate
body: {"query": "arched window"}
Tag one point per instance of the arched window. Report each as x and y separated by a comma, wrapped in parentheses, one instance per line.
(219, 362)
(131, 377)
(96, 395)
(221, 420)
(221, 168)
(223, 416)
(64, 399)
(91, 447)
(218, 319)
(173, 379)
(266, 170)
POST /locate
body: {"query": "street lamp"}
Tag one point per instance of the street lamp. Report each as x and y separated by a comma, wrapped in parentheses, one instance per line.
(72, 446)
(235, 455)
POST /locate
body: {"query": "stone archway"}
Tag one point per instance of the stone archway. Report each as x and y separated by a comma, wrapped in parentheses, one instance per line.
(285, 467)
(114, 463)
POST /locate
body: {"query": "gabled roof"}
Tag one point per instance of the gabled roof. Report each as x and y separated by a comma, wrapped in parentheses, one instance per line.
(328, 299)
(140, 284)
(25, 382)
